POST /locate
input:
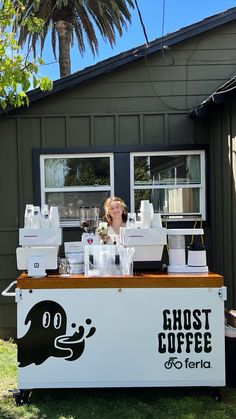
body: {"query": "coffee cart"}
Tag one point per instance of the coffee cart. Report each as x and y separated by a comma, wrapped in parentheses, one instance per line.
(147, 330)
(133, 330)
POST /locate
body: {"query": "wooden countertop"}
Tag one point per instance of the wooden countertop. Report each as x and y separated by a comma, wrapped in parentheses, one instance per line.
(140, 280)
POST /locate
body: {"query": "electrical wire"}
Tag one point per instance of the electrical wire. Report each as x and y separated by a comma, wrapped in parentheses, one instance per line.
(141, 21)
(156, 93)
(165, 50)
(163, 21)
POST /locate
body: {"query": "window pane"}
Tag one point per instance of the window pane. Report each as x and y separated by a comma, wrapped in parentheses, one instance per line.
(68, 203)
(167, 170)
(89, 171)
(173, 201)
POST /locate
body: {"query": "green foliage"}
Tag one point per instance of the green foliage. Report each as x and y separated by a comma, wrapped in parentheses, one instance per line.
(17, 73)
(87, 172)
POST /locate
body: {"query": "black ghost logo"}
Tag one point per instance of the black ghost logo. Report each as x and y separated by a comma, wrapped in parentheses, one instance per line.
(46, 335)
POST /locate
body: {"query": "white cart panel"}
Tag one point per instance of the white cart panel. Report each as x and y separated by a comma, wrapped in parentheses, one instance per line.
(120, 337)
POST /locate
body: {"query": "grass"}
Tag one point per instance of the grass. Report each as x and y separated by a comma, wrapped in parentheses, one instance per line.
(142, 403)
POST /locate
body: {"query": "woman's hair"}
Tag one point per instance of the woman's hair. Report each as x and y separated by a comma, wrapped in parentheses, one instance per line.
(107, 204)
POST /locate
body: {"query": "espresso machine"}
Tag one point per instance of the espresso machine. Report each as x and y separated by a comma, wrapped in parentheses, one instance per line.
(147, 236)
(39, 241)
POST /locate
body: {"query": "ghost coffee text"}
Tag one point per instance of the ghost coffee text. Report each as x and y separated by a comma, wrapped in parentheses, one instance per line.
(185, 331)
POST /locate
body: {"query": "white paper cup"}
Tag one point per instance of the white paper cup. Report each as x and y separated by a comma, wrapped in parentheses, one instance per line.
(146, 219)
(144, 205)
(54, 212)
(131, 220)
(156, 220)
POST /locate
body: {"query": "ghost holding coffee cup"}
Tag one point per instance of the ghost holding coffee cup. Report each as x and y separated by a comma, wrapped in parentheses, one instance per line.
(114, 218)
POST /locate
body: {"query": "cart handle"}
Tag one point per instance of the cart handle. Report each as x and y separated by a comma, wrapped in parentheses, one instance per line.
(5, 292)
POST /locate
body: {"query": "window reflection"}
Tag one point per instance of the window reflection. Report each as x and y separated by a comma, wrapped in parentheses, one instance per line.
(69, 203)
(89, 171)
(170, 201)
(167, 170)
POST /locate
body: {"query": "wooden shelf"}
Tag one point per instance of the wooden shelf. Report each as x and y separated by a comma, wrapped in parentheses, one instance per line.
(145, 280)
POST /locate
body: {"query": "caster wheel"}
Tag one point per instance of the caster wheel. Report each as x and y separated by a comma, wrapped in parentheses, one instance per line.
(216, 395)
(21, 397)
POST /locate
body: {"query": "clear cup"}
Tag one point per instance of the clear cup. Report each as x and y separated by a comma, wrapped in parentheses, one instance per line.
(103, 227)
(64, 267)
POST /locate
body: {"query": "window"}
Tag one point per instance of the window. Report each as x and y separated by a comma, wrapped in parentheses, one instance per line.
(71, 181)
(174, 181)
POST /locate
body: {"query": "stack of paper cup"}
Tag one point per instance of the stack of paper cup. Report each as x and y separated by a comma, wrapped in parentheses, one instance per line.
(28, 215)
(156, 220)
(131, 220)
(36, 218)
(151, 209)
(54, 217)
(146, 214)
(45, 221)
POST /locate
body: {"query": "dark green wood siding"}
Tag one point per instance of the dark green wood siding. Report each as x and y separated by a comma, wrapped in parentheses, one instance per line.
(222, 124)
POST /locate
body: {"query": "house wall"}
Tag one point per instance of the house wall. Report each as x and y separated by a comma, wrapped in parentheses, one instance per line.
(144, 103)
(222, 158)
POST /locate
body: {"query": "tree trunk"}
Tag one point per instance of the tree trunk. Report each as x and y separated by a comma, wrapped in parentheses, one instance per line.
(64, 29)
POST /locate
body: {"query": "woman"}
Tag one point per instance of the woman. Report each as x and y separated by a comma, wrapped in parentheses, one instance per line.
(116, 217)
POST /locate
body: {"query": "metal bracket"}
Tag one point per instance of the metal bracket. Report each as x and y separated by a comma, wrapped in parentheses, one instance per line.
(223, 293)
(18, 295)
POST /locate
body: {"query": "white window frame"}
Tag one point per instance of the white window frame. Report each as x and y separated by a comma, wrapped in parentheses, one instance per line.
(201, 186)
(98, 188)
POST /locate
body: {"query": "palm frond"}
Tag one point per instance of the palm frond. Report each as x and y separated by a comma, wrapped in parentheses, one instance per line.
(109, 17)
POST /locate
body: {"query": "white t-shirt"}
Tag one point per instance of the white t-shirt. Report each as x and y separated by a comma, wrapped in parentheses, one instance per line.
(114, 237)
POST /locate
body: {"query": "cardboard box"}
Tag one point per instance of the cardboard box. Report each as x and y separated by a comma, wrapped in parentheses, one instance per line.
(40, 236)
(231, 317)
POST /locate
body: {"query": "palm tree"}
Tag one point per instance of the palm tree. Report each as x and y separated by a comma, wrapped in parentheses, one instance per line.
(69, 18)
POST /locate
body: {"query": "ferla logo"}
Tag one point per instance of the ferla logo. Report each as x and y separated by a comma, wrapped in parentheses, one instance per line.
(174, 363)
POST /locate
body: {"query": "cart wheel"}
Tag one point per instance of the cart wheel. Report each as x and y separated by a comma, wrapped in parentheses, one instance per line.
(216, 394)
(21, 396)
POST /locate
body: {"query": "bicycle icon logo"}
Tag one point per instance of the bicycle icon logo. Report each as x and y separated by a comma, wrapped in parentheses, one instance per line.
(173, 363)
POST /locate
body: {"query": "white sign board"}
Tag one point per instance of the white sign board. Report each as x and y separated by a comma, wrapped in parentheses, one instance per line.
(120, 337)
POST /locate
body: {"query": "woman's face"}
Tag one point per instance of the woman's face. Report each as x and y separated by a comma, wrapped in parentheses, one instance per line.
(115, 209)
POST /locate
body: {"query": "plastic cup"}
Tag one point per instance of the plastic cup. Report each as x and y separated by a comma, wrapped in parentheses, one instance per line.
(103, 227)
(64, 268)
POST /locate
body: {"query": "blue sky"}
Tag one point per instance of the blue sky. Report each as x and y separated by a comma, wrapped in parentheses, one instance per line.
(177, 14)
